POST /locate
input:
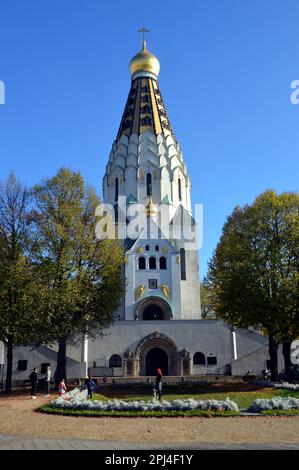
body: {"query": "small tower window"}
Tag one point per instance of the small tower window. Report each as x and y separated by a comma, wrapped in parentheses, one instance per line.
(163, 263)
(145, 99)
(146, 109)
(157, 247)
(146, 121)
(152, 263)
(116, 189)
(180, 188)
(146, 247)
(129, 112)
(183, 264)
(141, 262)
(149, 184)
(116, 213)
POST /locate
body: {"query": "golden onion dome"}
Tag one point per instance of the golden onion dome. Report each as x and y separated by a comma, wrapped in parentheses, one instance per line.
(144, 63)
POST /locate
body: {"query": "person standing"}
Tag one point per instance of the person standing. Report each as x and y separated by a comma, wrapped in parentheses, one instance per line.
(62, 388)
(33, 377)
(90, 385)
(159, 383)
(47, 377)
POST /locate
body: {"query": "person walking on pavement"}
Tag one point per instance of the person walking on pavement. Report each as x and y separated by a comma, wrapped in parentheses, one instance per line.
(47, 378)
(90, 385)
(159, 383)
(33, 377)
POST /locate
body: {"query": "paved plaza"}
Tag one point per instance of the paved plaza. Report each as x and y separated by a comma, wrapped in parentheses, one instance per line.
(23, 443)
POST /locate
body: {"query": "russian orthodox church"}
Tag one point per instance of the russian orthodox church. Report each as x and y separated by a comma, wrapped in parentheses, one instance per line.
(158, 324)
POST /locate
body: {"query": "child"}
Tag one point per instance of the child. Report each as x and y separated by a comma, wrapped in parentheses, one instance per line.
(62, 388)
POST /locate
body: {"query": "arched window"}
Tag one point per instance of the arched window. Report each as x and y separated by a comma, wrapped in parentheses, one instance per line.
(141, 262)
(180, 188)
(157, 247)
(116, 189)
(127, 124)
(129, 112)
(116, 213)
(183, 264)
(115, 361)
(199, 359)
(146, 121)
(152, 263)
(163, 263)
(149, 184)
(145, 99)
(146, 109)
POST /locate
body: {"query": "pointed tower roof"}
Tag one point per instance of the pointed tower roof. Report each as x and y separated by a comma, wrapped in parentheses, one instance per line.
(145, 109)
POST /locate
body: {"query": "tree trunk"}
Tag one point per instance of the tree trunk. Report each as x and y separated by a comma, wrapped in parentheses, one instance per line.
(9, 367)
(286, 351)
(273, 347)
(60, 372)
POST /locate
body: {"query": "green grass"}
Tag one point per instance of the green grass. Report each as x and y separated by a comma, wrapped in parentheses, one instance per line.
(134, 414)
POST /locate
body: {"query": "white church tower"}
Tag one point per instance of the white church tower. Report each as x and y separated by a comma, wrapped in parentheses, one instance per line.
(146, 167)
(159, 323)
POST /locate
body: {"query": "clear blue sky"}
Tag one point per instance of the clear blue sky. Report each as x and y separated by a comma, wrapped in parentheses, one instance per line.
(226, 69)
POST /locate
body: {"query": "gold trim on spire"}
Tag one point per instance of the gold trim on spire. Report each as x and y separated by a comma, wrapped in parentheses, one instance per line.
(150, 208)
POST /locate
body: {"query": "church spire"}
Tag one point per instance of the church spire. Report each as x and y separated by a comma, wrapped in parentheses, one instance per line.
(145, 109)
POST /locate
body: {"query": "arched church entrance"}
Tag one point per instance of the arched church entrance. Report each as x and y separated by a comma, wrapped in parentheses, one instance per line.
(157, 351)
(155, 359)
(153, 308)
(153, 312)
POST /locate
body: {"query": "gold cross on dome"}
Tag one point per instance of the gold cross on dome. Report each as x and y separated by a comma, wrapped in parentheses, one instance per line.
(143, 31)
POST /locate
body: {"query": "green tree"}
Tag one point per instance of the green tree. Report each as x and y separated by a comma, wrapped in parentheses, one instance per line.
(84, 276)
(207, 312)
(254, 271)
(20, 294)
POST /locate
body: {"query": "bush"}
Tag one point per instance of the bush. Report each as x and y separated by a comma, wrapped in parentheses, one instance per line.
(275, 403)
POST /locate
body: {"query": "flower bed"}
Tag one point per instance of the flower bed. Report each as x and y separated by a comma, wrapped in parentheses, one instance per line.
(75, 393)
(77, 401)
(277, 385)
(275, 403)
(286, 386)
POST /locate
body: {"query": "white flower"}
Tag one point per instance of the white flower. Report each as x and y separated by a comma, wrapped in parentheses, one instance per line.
(275, 403)
(77, 401)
